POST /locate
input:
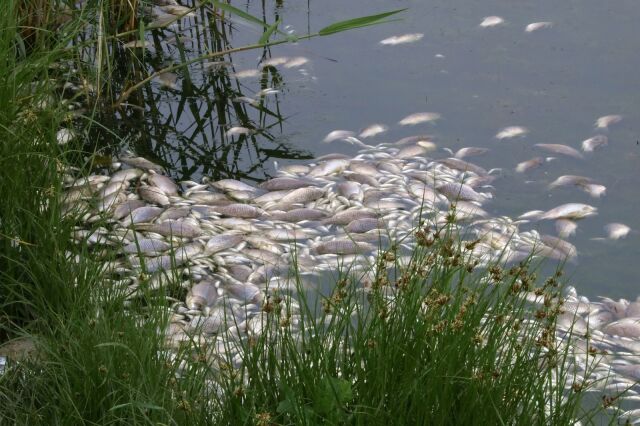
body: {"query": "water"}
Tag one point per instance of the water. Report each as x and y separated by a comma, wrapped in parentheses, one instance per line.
(554, 81)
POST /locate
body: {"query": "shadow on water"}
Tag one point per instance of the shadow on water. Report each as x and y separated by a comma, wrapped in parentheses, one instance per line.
(200, 120)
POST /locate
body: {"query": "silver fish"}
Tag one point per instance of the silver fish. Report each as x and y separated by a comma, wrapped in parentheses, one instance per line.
(615, 231)
(142, 214)
(511, 132)
(595, 190)
(202, 295)
(125, 209)
(283, 183)
(126, 175)
(329, 167)
(607, 120)
(463, 166)
(419, 117)
(244, 211)
(565, 227)
(535, 26)
(595, 142)
(153, 195)
(171, 228)
(298, 215)
(531, 164)
(457, 191)
(560, 149)
(346, 216)
(141, 163)
(401, 39)
(343, 246)
(570, 211)
(491, 21)
(336, 135)
(470, 151)
(363, 225)
(222, 242)
(373, 130)
(303, 195)
(570, 180)
(163, 183)
(232, 185)
(147, 246)
(296, 62)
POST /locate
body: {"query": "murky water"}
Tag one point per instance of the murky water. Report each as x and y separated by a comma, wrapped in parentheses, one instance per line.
(555, 82)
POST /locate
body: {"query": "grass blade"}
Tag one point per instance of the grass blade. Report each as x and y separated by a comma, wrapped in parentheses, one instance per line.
(363, 21)
(265, 37)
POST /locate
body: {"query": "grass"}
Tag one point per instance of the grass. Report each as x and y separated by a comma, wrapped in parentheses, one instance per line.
(432, 341)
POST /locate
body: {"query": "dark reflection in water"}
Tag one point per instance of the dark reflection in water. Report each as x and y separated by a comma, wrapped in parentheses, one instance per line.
(183, 120)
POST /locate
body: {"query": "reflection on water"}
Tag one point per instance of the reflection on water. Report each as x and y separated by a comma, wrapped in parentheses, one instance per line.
(202, 119)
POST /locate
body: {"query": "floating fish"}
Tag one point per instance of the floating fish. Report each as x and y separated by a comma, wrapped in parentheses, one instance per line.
(570, 180)
(531, 164)
(560, 149)
(168, 80)
(565, 227)
(570, 211)
(512, 132)
(238, 130)
(470, 151)
(373, 130)
(607, 120)
(593, 143)
(296, 62)
(535, 26)
(402, 39)
(491, 21)
(419, 117)
(615, 231)
(247, 73)
(274, 62)
(593, 189)
(337, 135)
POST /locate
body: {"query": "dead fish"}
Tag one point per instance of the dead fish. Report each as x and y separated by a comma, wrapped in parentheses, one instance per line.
(168, 80)
(274, 62)
(596, 142)
(531, 164)
(491, 21)
(626, 327)
(569, 180)
(560, 149)
(139, 44)
(470, 151)
(593, 189)
(402, 39)
(298, 215)
(338, 135)
(232, 185)
(607, 120)
(296, 62)
(64, 136)
(535, 26)
(411, 151)
(363, 225)
(460, 191)
(463, 166)
(244, 211)
(296, 169)
(615, 231)
(283, 183)
(373, 130)
(342, 247)
(303, 195)
(419, 117)
(247, 73)
(142, 214)
(222, 242)
(238, 130)
(209, 198)
(570, 211)
(154, 264)
(173, 213)
(153, 195)
(178, 10)
(171, 228)
(202, 295)
(163, 183)
(125, 209)
(565, 247)
(147, 246)
(565, 227)
(329, 167)
(511, 132)
(245, 292)
(412, 139)
(141, 163)
(126, 175)
(346, 216)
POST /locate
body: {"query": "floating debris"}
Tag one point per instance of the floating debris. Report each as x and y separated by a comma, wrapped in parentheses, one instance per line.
(402, 39)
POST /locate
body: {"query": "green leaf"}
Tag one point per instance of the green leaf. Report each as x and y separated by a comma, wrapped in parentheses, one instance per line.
(350, 24)
(331, 395)
(265, 37)
(241, 13)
